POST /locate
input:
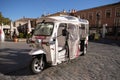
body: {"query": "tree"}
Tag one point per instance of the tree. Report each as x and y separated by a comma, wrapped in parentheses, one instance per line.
(5, 21)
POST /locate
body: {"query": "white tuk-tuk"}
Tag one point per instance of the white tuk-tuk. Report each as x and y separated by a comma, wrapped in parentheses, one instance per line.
(58, 39)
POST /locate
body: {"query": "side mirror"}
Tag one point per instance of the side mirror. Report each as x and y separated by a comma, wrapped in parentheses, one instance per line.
(64, 32)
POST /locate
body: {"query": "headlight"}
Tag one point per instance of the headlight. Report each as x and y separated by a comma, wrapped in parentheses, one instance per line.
(38, 41)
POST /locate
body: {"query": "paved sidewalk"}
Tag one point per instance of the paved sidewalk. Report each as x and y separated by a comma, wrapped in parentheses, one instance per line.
(13, 56)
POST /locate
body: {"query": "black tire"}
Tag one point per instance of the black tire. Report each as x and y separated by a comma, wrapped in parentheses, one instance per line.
(83, 47)
(84, 50)
(27, 40)
(37, 65)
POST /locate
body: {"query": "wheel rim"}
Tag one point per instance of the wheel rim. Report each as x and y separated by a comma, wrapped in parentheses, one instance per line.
(38, 65)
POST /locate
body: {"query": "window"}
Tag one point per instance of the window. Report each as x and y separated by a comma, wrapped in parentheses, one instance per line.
(98, 23)
(90, 16)
(19, 24)
(73, 32)
(117, 22)
(98, 15)
(84, 30)
(108, 13)
(117, 12)
(83, 15)
(98, 18)
(44, 29)
(61, 39)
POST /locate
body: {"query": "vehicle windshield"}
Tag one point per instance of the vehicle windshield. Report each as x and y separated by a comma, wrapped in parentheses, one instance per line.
(44, 29)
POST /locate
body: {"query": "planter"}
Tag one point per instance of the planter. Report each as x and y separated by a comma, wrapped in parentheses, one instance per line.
(22, 40)
(15, 39)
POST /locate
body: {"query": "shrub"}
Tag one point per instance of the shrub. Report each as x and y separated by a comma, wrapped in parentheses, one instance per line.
(21, 35)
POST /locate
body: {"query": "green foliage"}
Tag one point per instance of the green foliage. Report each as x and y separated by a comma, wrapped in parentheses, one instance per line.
(5, 21)
(28, 35)
(21, 35)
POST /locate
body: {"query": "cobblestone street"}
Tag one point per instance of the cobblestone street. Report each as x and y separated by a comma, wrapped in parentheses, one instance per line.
(13, 56)
(102, 62)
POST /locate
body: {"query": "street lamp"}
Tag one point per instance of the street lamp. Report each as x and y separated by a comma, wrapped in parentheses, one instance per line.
(98, 20)
(97, 35)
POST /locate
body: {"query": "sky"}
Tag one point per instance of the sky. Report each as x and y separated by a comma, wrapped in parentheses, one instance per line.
(16, 9)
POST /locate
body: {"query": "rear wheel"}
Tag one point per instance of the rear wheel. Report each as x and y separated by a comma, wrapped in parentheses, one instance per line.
(83, 47)
(37, 65)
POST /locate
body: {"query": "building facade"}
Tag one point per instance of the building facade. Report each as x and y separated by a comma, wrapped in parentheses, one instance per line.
(22, 24)
(107, 15)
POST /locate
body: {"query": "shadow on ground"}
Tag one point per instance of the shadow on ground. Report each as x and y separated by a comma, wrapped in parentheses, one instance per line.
(107, 41)
(12, 60)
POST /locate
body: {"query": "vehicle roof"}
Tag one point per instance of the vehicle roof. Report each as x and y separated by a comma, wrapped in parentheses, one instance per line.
(65, 19)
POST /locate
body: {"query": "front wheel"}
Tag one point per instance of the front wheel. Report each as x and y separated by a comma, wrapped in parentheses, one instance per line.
(37, 65)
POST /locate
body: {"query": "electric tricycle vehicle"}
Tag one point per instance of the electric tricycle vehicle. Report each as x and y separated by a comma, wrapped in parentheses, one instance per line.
(58, 39)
